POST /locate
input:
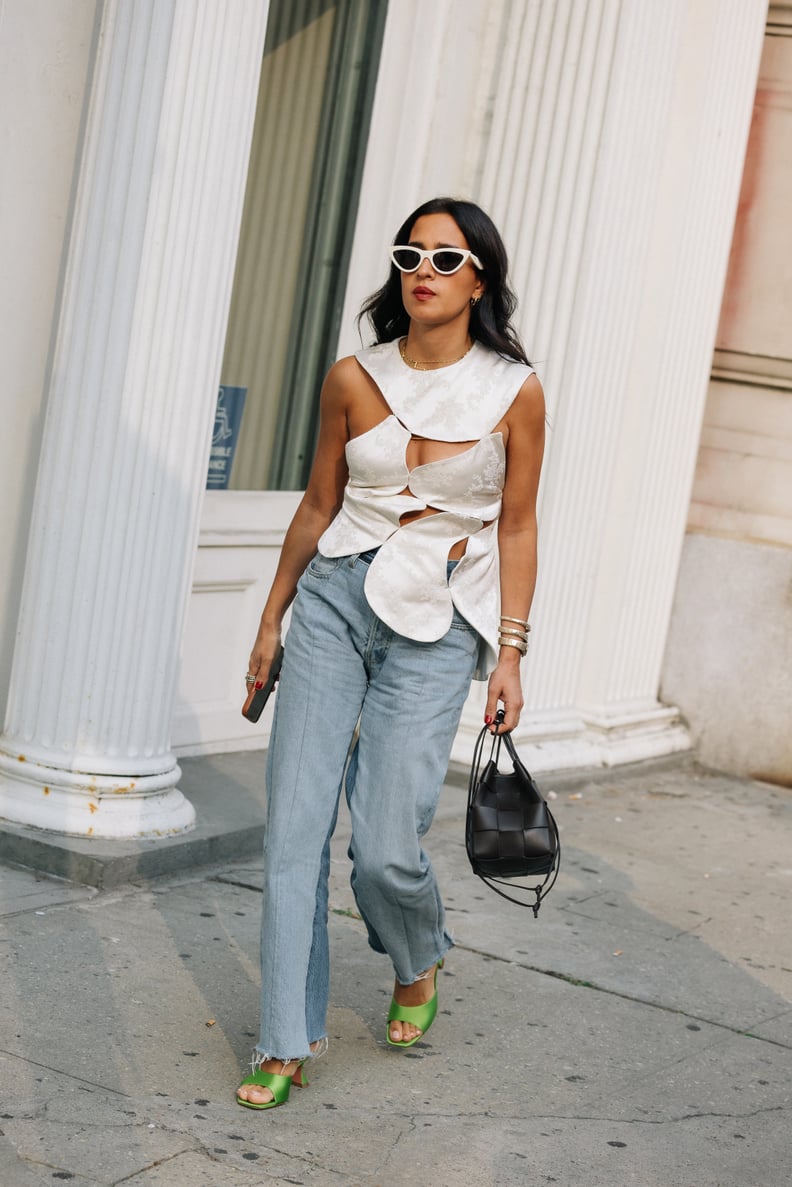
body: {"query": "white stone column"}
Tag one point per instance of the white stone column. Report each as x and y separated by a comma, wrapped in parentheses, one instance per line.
(612, 168)
(132, 389)
(712, 52)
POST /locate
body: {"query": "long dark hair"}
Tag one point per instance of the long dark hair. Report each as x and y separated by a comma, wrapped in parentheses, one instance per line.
(490, 317)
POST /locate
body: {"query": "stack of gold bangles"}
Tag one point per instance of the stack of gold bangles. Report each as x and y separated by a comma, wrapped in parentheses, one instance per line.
(514, 633)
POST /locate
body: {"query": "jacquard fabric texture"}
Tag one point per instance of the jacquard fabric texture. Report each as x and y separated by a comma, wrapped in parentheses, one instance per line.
(406, 585)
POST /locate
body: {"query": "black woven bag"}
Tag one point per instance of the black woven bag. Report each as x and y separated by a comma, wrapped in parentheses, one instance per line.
(510, 831)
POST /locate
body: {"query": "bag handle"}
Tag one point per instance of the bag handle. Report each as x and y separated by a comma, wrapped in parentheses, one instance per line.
(494, 755)
(478, 750)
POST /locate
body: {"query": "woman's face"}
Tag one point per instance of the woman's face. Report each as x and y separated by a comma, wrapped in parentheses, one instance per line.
(429, 297)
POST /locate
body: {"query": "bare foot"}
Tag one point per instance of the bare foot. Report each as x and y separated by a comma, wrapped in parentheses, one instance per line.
(417, 994)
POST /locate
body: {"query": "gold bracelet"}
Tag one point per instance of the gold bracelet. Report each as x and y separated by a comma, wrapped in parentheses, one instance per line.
(505, 630)
(510, 618)
(518, 643)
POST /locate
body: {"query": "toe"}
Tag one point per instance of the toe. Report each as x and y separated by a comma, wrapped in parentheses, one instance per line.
(255, 1094)
(403, 1032)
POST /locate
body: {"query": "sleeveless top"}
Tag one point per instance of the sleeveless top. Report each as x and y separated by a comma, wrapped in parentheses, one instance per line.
(406, 585)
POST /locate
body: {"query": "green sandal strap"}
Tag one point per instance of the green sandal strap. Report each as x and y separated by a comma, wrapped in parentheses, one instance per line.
(420, 1016)
(279, 1086)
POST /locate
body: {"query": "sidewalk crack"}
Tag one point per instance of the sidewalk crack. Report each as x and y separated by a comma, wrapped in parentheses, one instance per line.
(229, 881)
(48, 1067)
(60, 1172)
(142, 1170)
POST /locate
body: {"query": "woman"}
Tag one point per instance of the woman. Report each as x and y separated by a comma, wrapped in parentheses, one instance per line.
(413, 558)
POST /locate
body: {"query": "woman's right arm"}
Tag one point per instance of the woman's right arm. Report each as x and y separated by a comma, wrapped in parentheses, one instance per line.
(319, 505)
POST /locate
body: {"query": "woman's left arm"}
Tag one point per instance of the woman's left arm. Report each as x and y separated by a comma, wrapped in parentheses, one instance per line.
(525, 424)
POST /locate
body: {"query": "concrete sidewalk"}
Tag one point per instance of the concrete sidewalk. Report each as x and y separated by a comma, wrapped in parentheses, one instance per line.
(639, 1032)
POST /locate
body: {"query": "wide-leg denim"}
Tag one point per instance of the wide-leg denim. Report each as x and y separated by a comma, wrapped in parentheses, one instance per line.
(342, 666)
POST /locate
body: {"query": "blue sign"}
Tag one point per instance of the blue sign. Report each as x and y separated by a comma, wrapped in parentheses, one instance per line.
(228, 418)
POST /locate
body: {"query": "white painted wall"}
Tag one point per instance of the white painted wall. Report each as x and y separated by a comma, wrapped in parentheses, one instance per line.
(239, 546)
(45, 50)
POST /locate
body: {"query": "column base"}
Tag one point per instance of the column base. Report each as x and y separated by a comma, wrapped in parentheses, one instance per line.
(79, 804)
(632, 733)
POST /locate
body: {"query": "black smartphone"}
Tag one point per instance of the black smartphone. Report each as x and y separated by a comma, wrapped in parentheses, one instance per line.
(258, 697)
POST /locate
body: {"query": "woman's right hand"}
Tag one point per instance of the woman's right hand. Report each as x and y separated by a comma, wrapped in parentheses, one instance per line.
(264, 651)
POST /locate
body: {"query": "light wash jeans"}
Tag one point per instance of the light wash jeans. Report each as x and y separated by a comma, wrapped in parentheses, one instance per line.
(341, 665)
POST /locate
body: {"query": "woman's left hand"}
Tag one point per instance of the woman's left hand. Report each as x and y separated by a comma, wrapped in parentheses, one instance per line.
(505, 687)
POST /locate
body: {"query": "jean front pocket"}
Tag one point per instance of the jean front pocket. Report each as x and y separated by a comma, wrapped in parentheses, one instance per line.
(461, 624)
(323, 566)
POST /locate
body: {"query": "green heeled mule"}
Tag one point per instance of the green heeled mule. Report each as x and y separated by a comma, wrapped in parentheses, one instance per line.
(420, 1016)
(279, 1086)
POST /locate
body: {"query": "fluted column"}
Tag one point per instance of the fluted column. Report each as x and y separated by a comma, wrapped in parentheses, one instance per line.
(613, 168)
(715, 55)
(132, 389)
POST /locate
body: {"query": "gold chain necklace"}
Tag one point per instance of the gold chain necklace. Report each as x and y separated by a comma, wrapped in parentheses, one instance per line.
(417, 365)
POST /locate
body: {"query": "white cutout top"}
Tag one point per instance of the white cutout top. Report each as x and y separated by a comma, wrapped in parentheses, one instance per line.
(406, 585)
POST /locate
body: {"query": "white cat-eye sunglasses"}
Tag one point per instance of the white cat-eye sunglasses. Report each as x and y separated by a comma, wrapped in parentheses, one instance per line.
(445, 260)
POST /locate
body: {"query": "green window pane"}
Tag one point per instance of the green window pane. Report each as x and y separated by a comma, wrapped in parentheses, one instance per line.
(309, 141)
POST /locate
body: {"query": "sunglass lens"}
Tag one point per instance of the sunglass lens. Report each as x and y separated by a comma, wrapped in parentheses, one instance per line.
(448, 261)
(406, 258)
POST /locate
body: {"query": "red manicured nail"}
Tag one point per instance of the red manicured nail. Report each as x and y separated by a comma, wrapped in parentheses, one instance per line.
(259, 684)
(488, 720)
